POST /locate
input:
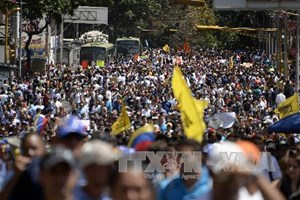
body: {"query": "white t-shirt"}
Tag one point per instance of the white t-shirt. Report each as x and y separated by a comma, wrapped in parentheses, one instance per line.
(108, 95)
(77, 97)
(279, 98)
(243, 194)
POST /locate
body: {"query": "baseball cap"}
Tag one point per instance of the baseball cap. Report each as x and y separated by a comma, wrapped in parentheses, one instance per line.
(271, 145)
(97, 152)
(57, 155)
(71, 126)
(229, 155)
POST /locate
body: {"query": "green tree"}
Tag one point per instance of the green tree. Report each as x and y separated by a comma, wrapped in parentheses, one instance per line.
(35, 10)
(7, 5)
(126, 17)
(184, 19)
(131, 17)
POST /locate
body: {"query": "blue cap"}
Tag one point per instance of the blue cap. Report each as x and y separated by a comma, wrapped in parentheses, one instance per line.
(71, 126)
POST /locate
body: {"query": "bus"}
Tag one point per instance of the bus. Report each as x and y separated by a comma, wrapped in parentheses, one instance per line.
(93, 52)
(128, 46)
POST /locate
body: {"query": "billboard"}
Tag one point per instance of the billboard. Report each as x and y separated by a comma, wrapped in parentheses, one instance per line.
(256, 4)
(88, 15)
(38, 43)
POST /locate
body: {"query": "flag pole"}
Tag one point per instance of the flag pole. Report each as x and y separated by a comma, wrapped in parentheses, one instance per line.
(297, 55)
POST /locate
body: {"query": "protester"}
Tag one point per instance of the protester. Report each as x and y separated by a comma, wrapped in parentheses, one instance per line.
(69, 105)
(58, 175)
(131, 185)
(24, 176)
(96, 160)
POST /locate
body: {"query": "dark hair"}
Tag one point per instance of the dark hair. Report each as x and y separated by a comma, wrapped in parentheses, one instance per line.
(159, 146)
(115, 174)
(196, 146)
(23, 140)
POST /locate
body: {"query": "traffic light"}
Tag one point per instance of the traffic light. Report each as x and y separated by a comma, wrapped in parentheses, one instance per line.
(12, 54)
(199, 3)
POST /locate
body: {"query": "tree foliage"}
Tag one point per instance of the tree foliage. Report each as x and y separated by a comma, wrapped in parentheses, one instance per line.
(35, 10)
(131, 17)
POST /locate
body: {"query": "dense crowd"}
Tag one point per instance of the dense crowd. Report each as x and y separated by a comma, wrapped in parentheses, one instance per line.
(63, 158)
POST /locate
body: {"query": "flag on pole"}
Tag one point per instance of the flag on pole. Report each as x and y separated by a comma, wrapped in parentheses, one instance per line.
(201, 105)
(166, 48)
(191, 118)
(40, 122)
(122, 123)
(288, 106)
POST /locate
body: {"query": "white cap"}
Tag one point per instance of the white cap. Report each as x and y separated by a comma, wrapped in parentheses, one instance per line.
(97, 152)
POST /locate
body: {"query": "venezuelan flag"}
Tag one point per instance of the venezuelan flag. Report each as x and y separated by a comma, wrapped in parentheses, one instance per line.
(144, 135)
(40, 122)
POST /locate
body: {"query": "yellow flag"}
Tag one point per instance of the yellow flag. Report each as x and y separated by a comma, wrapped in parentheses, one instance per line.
(288, 106)
(192, 120)
(122, 123)
(100, 63)
(201, 105)
(231, 62)
(166, 48)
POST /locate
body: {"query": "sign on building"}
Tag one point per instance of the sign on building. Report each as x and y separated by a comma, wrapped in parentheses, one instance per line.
(88, 15)
(256, 4)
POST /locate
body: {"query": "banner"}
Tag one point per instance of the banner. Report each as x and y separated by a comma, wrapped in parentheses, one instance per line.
(193, 123)
(122, 123)
(288, 106)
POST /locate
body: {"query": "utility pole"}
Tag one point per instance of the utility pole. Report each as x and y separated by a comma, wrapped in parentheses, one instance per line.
(285, 47)
(6, 37)
(20, 38)
(278, 44)
(61, 39)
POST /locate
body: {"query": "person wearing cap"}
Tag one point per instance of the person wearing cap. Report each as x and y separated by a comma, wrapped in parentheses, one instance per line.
(58, 175)
(71, 134)
(96, 159)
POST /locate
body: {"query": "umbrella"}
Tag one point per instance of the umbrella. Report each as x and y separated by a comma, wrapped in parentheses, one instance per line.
(289, 124)
(215, 122)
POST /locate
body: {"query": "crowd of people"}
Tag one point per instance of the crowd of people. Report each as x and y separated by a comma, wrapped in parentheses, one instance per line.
(62, 157)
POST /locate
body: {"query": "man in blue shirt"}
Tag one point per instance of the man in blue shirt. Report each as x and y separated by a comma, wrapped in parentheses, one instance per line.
(195, 185)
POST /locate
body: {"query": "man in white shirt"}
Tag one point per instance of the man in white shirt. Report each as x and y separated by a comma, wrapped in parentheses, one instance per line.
(280, 97)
